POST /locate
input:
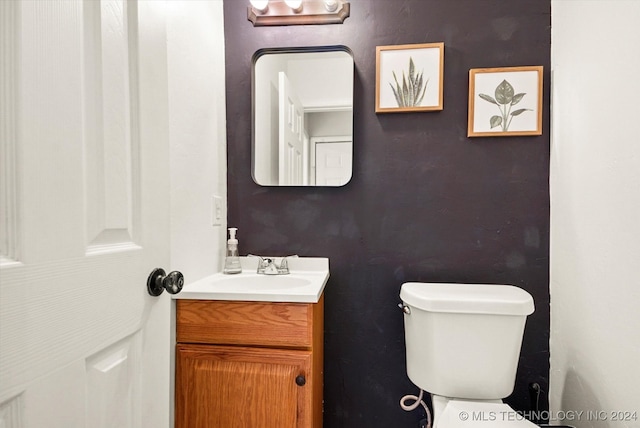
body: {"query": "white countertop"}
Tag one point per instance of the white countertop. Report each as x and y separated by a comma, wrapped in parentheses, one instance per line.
(304, 284)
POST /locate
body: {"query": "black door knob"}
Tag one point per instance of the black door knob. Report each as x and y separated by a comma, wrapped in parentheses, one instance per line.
(158, 281)
(300, 380)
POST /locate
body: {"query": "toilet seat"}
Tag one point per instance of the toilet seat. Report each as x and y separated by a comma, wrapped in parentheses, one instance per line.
(478, 414)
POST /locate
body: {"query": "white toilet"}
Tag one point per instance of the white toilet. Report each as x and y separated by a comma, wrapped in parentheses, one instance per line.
(463, 342)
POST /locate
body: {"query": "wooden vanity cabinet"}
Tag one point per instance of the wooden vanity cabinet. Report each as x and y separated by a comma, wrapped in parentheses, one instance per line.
(249, 364)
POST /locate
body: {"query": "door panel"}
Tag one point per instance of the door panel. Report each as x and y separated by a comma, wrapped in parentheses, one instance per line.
(291, 134)
(111, 174)
(333, 163)
(112, 394)
(87, 135)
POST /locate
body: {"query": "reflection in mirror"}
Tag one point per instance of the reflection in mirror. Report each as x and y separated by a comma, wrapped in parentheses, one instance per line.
(302, 116)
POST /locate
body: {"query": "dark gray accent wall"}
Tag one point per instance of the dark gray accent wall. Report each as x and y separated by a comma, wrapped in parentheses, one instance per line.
(426, 203)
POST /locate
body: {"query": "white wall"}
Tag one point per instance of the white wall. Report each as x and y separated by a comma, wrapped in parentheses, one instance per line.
(595, 210)
(322, 82)
(195, 35)
(329, 124)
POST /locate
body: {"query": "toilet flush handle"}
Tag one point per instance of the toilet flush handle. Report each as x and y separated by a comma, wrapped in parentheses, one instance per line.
(406, 309)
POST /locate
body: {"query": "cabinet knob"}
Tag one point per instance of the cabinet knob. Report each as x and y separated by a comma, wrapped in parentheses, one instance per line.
(300, 380)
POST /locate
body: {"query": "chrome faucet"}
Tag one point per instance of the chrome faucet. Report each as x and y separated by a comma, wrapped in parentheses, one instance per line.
(268, 266)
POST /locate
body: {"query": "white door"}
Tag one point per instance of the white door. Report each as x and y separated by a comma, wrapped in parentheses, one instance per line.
(291, 134)
(84, 191)
(333, 162)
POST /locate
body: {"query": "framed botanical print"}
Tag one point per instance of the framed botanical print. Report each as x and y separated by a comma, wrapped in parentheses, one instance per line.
(505, 101)
(409, 78)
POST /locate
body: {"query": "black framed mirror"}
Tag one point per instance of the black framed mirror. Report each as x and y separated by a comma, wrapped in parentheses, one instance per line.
(302, 116)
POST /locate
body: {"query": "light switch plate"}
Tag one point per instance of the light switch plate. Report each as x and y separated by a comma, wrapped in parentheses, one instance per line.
(216, 210)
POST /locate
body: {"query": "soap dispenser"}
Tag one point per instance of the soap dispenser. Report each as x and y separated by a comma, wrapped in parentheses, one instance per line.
(232, 261)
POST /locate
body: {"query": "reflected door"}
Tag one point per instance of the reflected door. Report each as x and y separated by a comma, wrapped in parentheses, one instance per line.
(291, 153)
(82, 344)
(333, 163)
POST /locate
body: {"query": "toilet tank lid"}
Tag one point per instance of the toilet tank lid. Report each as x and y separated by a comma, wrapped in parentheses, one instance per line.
(467, 298)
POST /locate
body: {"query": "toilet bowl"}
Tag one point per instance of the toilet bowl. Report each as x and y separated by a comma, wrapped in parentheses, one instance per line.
(462, 346)
(477, 414)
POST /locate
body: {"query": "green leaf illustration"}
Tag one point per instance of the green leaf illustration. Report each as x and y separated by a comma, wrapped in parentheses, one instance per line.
(517, 98)
(520, 111)
(488, 98)
(505, 98)
(413, 88)
(395, 93)
(504, 93)
(398, 92)
(405, 91)
(424, 90)
(412, 71)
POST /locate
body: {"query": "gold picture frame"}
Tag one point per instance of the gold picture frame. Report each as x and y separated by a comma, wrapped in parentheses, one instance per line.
(505, 101)
(409, 78)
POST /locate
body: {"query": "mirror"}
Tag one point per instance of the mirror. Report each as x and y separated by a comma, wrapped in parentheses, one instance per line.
(302, 116)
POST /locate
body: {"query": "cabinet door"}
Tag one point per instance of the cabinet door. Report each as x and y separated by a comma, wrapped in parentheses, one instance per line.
(241, 387)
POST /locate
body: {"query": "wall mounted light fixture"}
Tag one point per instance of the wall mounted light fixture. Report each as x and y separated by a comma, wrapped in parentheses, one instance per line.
(297, 12)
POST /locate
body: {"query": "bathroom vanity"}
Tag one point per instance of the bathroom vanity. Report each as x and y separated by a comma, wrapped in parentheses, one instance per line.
(251, 355)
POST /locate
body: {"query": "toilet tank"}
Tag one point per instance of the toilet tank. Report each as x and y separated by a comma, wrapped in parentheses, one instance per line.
(463, 340)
